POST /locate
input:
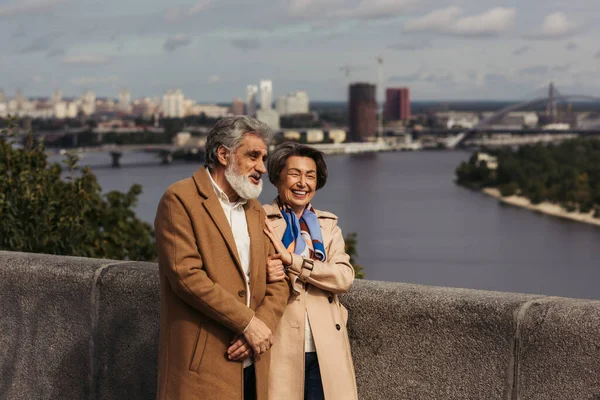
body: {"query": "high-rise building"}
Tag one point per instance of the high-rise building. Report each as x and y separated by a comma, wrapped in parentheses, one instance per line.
(397, 104)
(124, 101)
(88, 102)
(20, 99)
(56, 96)
(266, 94)
(173, 104)
(362, 111)
(251, 93)
(293, 103)
(237, 106)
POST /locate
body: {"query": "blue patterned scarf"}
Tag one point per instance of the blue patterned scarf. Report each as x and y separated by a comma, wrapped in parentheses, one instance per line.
(309, 223)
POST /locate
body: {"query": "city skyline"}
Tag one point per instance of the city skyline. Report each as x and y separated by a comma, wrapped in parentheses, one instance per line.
(460, 50)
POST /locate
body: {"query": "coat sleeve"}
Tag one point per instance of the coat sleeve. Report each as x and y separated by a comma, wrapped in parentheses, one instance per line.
(276, 296)
(181, 263)
(336, 274)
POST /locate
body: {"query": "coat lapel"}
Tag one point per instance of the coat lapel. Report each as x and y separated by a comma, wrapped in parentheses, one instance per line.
(255, 230)
(215, 210)
(275, 218)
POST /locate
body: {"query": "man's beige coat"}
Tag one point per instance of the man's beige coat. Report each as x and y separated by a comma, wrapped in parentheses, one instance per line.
(203, 293)
(327, 317)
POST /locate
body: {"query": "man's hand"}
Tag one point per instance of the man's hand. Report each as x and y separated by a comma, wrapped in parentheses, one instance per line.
(275, 272)
(239, 349)
(259, 336)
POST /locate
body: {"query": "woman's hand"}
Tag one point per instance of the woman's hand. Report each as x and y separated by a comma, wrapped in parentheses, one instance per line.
(275, 272)
(286, 257)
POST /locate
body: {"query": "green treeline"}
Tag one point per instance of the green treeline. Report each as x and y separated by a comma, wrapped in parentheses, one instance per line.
(567, 174)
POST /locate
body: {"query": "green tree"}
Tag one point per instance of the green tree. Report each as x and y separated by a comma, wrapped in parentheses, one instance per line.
(352, 250)
(567, 173)
(44, 211)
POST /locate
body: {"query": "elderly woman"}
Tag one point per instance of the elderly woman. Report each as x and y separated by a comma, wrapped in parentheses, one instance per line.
(310, 358)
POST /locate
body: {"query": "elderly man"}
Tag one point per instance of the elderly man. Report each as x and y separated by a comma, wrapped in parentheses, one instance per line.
(217, 311)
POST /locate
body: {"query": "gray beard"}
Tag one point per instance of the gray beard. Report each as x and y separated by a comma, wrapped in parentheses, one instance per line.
(240, 183)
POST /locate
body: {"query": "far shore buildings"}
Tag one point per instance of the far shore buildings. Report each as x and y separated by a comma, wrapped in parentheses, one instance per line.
(124, 101)
(293, 103)
(173, 104)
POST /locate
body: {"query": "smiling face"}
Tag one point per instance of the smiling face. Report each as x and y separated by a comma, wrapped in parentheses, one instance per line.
(246, 167)
(298, 182)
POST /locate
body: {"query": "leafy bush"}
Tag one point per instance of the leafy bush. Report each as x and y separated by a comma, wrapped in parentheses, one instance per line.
(352, 250)
(508, 189)
(43, 211)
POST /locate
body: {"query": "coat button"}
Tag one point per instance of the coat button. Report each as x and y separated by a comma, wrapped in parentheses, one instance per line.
(242, 293)
(338, 327)
(330, 298)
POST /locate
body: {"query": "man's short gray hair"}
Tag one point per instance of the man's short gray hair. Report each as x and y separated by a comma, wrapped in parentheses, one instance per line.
(229, 132)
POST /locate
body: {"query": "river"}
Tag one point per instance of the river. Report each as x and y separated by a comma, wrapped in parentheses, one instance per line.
(414, 225)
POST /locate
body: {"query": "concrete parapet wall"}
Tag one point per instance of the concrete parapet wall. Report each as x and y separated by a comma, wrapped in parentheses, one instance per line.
(76, 328)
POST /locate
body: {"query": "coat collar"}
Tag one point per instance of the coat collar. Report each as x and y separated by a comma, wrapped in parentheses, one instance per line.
(274, 213)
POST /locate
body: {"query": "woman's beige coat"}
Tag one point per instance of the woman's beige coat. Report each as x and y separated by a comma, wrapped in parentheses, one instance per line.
(326, 314)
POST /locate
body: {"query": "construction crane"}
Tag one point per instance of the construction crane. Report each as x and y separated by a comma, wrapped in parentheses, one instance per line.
(346, 69)
(380, 84)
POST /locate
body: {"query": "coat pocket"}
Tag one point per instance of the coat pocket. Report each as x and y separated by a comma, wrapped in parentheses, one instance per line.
(198, 349)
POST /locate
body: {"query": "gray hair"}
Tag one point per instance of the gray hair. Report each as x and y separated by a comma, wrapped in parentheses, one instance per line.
(229, 132)
(277, 161)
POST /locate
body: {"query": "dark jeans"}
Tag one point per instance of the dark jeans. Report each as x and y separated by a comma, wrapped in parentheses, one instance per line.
(249, 383)
(313, 387)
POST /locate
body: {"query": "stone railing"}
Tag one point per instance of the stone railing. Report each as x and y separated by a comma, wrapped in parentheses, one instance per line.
(76, 328)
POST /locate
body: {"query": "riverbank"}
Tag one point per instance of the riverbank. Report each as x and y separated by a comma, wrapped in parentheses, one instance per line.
(546, 208)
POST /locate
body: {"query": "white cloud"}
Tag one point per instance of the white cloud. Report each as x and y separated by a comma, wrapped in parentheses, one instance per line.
(367, 9)
(313, 8)
(214, 79)
(364, 9)
(557, 26)
(87, 60)
(174, 42)
(91, 80)
(28, 7)
(494, 21)
(37, 79)
(180, 13)
(437, 20)
(449, 20)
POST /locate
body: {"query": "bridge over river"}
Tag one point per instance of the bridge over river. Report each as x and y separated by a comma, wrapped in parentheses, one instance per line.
(164, 151)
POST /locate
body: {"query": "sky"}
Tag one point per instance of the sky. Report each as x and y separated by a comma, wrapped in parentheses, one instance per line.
(213, 49)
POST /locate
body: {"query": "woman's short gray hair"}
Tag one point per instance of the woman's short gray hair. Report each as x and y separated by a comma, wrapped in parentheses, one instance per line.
(229, 132)
(277, 161)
